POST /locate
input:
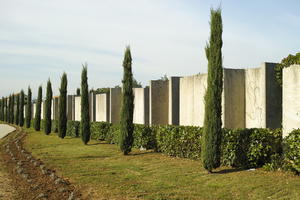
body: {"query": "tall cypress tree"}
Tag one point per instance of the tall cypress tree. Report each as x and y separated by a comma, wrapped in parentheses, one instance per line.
(212, 133)
(17, 109)
(21, 114)
(12, 108)
(62, 117)
(1, 105)
(85, 117)
(126, 130)
(28, 108)
(9, 109)
(48, 102)
(5, 109)
(37, 120)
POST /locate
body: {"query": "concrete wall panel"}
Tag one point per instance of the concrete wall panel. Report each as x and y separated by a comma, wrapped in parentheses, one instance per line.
(77, 109)
(159, 102)
(102, 107)
(115, 105)
(141, 106)
(174, 100)
(290, 99)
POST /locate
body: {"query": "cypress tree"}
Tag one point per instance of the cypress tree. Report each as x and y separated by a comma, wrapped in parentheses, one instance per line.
(5, 109)
(48, 102)
(28, 108)
(85, 117)
(9, 109)
(126, 129)
(212, 133)
(12, 108)
(62, 116)
(17, 109)
(1, 105)
(21, 114)
(37, 121)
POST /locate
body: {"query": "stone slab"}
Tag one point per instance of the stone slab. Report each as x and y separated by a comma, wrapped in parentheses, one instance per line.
(102, 107)
(115, 105)
(141, 106)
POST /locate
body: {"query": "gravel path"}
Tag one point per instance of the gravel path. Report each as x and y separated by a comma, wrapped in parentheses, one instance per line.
(5, 129)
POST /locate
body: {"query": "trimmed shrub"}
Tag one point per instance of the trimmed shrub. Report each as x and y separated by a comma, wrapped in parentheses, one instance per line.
(144, 136)
(250, 148)
(291, 149)
(179, 141)
(73, 128)
(99, 130)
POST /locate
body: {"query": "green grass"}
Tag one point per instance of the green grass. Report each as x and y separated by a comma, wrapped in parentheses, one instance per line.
(101, 171)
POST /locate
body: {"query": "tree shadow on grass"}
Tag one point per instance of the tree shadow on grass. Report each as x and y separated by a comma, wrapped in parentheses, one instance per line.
(92, 157)
(227, 171)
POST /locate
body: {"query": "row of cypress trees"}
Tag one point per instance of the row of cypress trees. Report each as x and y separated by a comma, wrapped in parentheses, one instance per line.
(211, 140)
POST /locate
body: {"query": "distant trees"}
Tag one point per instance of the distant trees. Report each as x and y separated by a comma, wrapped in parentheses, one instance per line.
(9, 109)
(78, 92)
(37, 120)
(62, 116)
(21, 114)
(211, 140)
(126, 129)
(17, 109)
(85, 117)
(12, 109)
(6, 109)
(48, 102)
(28, 108)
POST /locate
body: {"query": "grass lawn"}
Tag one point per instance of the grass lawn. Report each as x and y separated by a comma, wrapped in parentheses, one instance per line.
(101, 171)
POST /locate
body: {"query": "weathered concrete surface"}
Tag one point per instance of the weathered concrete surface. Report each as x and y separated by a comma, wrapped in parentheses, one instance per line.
(42, 110)
(5, 129)
(233, 99)
(33, 110)
(159, 102)
(70, 110)
(54, 113)
(141, 106)
(92, 106)
(102, 107)
(115, 105)
(263, 97)
(290, 99)
(77, 103)
(174, 100)
(192, 92)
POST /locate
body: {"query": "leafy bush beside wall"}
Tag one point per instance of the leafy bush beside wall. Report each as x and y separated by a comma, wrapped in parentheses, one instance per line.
(291, 145)
(73, 128)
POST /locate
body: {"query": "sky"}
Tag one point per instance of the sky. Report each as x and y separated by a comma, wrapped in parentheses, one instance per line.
(42, 39)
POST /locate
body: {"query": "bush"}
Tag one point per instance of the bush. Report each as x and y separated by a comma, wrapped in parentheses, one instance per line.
(54, 126)
(73, 128)
(179, 141)
(250, 148)
(144, 137)
(99, 130)
(291, 147)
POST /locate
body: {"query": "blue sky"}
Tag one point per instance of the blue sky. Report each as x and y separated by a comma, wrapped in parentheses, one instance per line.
(41, 39)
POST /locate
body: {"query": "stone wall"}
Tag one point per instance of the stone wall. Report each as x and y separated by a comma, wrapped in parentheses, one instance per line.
(159, 102)
(291, 99)
(191, 98)
(102, 107)
(263, 97)
(70, 110)
(141, 105)
(174, 100)
(77, 108)
(115, 105)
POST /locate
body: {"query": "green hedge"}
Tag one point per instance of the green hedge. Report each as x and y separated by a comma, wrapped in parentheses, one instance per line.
(291, 145)
(54, 126)
(73, 128)
(179, 141)
(249, 148)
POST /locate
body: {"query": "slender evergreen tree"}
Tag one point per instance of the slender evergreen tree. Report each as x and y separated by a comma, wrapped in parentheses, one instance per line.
(1, 105)
(126, 129)
(9, 109)
(17, 109)
(37, 117)
(212, 133)
(85, 117)
(48, 102)
(28, 108)
(62, 117)
(12, 118)
(21, 114)
(5, 109)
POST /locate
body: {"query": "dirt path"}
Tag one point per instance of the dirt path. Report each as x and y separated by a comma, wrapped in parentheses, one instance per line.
(32, 178)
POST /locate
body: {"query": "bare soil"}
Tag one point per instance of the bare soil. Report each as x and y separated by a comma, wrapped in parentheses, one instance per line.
(30, 176)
